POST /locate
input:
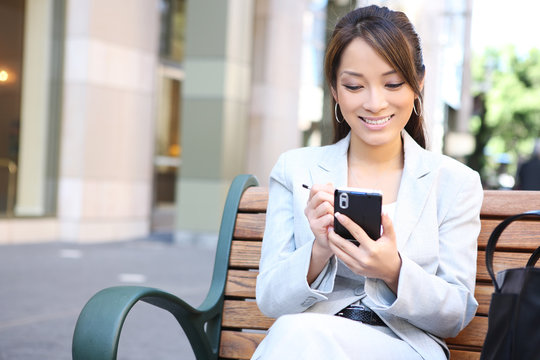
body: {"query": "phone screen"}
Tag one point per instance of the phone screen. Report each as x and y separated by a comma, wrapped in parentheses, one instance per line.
(361, 206)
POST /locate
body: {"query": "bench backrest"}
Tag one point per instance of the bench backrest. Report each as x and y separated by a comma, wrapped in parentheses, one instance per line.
(244, 326)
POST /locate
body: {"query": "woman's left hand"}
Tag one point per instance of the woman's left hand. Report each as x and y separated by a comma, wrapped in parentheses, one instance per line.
(373, 258)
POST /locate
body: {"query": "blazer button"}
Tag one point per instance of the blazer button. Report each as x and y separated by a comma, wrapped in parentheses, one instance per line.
(359, 291)
(309, 301)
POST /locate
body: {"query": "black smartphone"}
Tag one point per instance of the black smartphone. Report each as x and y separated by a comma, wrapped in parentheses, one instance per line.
(361, 206)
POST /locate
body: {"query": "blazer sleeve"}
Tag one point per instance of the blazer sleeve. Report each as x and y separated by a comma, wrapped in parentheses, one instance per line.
(282, 286)
(448, 294)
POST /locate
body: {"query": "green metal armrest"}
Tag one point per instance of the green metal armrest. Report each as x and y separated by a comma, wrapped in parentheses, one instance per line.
(99, 325)
(98, 328)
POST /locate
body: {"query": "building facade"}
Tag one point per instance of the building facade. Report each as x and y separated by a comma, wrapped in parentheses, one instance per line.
(123, 118)
(81, 128)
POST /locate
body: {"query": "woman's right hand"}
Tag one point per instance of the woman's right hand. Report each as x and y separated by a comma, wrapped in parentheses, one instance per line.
(320, 214)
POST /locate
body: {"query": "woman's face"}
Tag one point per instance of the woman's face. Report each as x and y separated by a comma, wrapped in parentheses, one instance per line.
(374, 99)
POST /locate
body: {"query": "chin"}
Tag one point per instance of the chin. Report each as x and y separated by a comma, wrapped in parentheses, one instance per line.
(378, 139)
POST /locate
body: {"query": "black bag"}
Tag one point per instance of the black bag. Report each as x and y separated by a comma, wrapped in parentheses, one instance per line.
(514, 314)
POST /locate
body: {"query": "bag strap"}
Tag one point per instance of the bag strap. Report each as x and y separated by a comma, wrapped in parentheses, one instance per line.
(492, 242)
(534, 258)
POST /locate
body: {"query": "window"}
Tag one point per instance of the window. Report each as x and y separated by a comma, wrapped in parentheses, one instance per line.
(168, 150)
(31, 42)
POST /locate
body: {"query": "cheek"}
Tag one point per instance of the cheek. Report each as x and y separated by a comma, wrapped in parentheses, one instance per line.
(405, 103)
(403, 99)
(349, 101)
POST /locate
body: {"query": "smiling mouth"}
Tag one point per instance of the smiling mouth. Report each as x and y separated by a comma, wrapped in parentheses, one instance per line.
(376, 120)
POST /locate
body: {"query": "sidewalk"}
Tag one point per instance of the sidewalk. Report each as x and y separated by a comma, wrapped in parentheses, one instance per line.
(43, 287)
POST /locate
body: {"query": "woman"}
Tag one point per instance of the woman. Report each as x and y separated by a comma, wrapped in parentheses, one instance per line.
(396, 297)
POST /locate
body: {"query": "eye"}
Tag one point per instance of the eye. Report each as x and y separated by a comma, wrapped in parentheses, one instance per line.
(353, 87)
(395, 85)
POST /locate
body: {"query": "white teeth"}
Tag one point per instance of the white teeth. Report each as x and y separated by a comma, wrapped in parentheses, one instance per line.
(377, 122)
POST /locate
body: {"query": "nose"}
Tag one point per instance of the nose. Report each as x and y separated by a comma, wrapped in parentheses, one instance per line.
(375, 101)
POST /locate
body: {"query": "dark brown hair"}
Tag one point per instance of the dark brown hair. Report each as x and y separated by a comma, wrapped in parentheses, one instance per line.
(392, 36)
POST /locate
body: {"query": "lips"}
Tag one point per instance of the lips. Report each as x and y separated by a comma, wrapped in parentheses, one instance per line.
(376, 120)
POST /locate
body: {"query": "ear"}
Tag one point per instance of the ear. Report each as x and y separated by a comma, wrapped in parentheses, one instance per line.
(421, 83)
(334, 94)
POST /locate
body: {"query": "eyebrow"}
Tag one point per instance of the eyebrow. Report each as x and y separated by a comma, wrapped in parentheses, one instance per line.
(348, 72)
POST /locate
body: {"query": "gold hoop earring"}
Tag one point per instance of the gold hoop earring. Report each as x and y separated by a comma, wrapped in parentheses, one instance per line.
(419, 105)
(335, 114)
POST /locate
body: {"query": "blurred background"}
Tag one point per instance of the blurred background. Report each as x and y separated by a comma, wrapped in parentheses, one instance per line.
(126, 117)
(123, 122)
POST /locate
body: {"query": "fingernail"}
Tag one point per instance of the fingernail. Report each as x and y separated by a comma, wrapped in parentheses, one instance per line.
(337, 214)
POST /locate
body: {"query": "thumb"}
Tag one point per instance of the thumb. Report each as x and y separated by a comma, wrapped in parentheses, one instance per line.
(388, 227)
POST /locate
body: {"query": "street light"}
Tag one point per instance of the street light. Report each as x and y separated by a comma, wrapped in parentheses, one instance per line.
(4, 76)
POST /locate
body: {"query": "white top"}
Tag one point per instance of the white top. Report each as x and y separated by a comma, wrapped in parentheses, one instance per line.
(390, 209)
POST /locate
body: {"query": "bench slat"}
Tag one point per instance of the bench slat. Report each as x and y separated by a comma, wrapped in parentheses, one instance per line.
(503, 203)
(241, 283)
(254, 199)
(473, 335)
(464, 355)
(245, 254)
(528, 233)
(238, 345)
(241, 314)
(250, 226)
(246, 315)
(501, 260)
(241, 345)
(482, 293)
(500, 203)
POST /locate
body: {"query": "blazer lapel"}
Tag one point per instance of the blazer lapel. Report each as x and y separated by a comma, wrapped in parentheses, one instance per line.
(416, 182)
(332, 167)
(415, 186)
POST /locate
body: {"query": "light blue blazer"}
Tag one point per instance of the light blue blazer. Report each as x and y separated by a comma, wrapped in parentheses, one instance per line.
(436, 221)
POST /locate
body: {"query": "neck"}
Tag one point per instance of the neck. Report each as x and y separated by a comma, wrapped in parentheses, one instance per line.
(381, 157)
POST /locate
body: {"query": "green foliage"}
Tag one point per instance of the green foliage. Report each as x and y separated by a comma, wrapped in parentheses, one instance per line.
(506, 86)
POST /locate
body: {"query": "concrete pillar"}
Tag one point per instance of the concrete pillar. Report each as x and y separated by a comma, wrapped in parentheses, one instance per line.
(105, 176)
(214, 111)
(278, 40)
(465, 111)
(38, 55)
(335, 11)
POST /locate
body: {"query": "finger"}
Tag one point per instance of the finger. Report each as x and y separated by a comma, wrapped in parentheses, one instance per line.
(317, 198)
(345, 251)
(325, 193)
(344, 244)
(313, 211)
(356, 231)
(329, 188)
(320, 193)
(320, 188)
(336, 246)
(315, 188)
(323, 222)
(323, 209)
(323, 196)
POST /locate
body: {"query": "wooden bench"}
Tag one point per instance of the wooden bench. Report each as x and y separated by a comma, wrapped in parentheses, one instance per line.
(228, 325)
